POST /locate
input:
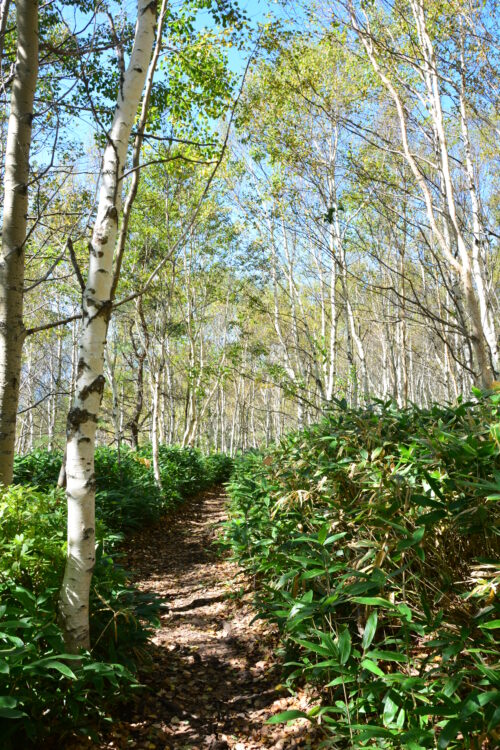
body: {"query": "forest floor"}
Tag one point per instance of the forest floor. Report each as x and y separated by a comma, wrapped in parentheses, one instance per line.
(212, 676)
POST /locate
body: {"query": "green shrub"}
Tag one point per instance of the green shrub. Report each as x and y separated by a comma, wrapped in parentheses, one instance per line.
(217, 468)
(41, 687)
(126, 494)
(185, 471)
(374, 537)
(38, 468)
(37, 685)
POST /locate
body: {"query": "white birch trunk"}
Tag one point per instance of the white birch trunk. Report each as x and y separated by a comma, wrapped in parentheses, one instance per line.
(170, 392)
(96, 310)
(15, 209)
(155, 388)
(479, 235)
(31, 400)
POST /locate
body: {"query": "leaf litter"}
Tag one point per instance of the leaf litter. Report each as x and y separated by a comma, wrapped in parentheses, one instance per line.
(210, 673)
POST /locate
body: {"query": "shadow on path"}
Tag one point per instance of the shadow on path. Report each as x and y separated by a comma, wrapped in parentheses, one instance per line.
(212, 676)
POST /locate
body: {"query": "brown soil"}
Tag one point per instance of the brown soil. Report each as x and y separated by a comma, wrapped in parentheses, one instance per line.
(213, 676)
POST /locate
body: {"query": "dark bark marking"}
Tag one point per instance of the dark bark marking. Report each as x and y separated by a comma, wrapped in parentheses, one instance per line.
(27, 118)
(77, 417)
(91, 483)
(81, 367)
(111, 213)
(96, 386)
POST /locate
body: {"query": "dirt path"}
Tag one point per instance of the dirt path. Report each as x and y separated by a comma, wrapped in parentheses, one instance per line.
(214, 677)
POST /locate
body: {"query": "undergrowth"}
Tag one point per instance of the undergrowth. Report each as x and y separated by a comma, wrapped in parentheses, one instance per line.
(42, 689)
(374, 538)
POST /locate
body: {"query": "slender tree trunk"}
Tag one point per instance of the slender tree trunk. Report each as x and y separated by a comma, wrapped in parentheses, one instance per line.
(15, 209)
(155, 390)
(56, 386)
(170, 393)
(30, 399)
(140, 353)
(223, 425)
(385, 364)
(96, 311)
(479, 234)
(252, 416)
(162, 420)
(111, 375)
(139, 401)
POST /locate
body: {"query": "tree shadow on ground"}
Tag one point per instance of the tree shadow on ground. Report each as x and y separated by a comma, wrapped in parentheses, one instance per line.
(210, 674)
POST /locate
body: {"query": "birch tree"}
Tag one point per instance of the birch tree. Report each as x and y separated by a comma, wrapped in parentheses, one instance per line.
(15, 209)
(428, 90)
(96, 311)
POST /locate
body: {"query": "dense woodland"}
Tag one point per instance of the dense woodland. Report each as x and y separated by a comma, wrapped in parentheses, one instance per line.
(261, 233)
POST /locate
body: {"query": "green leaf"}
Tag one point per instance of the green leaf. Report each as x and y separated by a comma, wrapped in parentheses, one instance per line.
(491, 625)
(334, 538)
(372, 667)
(7, 701)
(11, 713)
(405, 611)
(448, 733)
(387, 655)
(310, 646)
(370, 628)
(367, 731)
(374, 601)
(390, 710)
(285, 716)
(323, 533)
(57, 665)
(344, 645)
(412, 540)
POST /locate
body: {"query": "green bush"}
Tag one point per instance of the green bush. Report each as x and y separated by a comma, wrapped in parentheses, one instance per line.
(374, 537)
(37, 685)
(185, 471)
(127, 496)
(38, 468)
(40, 686)
(217, 468)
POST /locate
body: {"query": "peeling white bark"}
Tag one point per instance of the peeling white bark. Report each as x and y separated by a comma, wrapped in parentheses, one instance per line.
(15, 208)
(96, 310)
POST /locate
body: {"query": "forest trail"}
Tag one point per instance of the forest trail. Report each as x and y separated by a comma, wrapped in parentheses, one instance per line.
(214, 678)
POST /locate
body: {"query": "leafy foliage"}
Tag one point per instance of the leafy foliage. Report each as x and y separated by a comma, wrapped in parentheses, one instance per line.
(126, 495)
(36, 681)
(375, 537)
(39, 683)
(39, 468)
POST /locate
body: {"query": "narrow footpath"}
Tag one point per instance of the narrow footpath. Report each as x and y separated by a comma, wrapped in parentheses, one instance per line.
(213, 677)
